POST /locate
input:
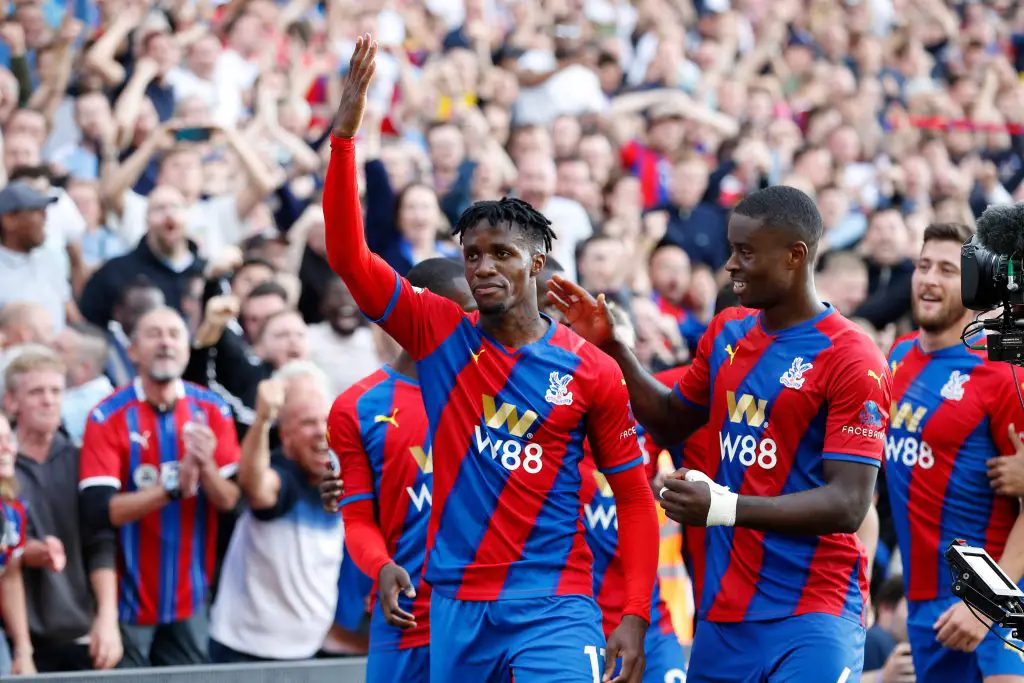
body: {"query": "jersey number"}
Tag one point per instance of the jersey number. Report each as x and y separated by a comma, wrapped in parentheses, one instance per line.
(596, 665)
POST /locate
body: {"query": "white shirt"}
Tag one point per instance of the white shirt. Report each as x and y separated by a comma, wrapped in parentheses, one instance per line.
(222, 94)
(346, 360)
(279, 582)
(40, 277)
(573, 91)
(571, 223)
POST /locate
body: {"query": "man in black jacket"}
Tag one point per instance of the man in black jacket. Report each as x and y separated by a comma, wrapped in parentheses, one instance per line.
(165, 256)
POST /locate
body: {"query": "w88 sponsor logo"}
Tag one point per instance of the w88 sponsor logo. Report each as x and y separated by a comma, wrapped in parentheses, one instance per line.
(909, 451)
(512, 449)
(748, 450)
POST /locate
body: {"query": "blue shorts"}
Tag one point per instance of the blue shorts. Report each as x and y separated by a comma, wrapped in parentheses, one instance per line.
(406, 666)
(933, 662)
(537, 639)
(810, 648)
(666, 662)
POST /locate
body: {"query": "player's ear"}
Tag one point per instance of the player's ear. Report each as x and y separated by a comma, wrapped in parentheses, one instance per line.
(798, 255)
(537, 262)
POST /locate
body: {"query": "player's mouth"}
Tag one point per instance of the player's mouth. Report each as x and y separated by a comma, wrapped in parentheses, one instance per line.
(929, 298)
(486, 289)
(739, 287)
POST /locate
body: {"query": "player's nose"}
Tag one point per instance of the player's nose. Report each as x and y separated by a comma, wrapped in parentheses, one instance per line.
(485, 266)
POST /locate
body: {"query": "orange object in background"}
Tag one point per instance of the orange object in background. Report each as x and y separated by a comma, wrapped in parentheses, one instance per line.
(675, 584)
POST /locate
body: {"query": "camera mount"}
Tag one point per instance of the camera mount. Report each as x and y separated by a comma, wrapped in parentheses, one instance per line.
(984, 586)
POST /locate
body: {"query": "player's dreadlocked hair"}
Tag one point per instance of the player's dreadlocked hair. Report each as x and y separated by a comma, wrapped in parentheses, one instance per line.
(511, 211)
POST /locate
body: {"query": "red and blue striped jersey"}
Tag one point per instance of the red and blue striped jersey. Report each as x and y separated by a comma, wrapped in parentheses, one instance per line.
(508, 427)
(602, 533)
(779, 406)
(378, 429)
(12, 542)
(654, 171)
(950, 413)
(165, 559)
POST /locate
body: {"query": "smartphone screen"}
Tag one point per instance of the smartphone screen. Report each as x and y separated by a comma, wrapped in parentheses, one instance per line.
(193, 134)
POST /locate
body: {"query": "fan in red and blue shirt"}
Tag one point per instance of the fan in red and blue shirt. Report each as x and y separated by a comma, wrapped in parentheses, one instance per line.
(510, 396)
(951, 414)
(378, 429)
(131, 456)
(793, 397)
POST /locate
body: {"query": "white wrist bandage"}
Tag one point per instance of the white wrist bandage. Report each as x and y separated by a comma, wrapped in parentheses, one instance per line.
(723, 501)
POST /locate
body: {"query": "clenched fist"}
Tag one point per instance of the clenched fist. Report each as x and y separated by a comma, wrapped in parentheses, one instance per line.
(269, 399)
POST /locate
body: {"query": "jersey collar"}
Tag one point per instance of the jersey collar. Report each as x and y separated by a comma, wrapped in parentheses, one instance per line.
(179, 393)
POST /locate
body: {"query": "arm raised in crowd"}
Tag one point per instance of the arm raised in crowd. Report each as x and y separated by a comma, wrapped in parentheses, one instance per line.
(260, 483)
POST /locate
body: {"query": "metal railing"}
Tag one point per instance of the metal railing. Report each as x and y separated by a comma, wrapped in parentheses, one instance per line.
(348, 670)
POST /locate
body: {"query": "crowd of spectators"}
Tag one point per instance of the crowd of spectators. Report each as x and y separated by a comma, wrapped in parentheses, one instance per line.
(168, 155)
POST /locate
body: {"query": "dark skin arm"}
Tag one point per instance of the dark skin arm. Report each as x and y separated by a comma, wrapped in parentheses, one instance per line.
(838, 507)
(662, 413)
(393, 579)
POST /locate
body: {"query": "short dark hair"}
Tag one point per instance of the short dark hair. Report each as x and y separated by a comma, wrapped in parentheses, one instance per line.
(271, 318)
(269, 288)
(436, 275)
(947, 232)
(250, 262)
(665, 243)
(785, 207)
(137, 283)
(890, 592)
(582, 247)
(513, 212)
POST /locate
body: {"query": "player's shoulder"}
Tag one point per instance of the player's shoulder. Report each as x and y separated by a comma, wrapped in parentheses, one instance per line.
(591, 361)
(902, 344)
(375, 381)
(113, 405)
(846, 334)
(733, 314)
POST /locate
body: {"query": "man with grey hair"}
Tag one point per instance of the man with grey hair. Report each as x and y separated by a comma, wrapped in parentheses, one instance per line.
(285, 537)
(155, 463)
(84, 350)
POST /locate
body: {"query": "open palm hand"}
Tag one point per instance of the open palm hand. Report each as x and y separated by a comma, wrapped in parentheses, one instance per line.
(587, 316)
(356, 85)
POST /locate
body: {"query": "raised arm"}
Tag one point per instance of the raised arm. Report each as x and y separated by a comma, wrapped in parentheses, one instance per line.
(662, 412)
(259, 481)
(417, 319)
(370, 279)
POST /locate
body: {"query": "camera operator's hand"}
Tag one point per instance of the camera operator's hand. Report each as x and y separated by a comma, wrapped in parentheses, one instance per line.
(959, 629)
(1006, 472)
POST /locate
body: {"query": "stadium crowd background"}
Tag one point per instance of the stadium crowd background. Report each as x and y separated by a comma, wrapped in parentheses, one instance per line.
(183, 145)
